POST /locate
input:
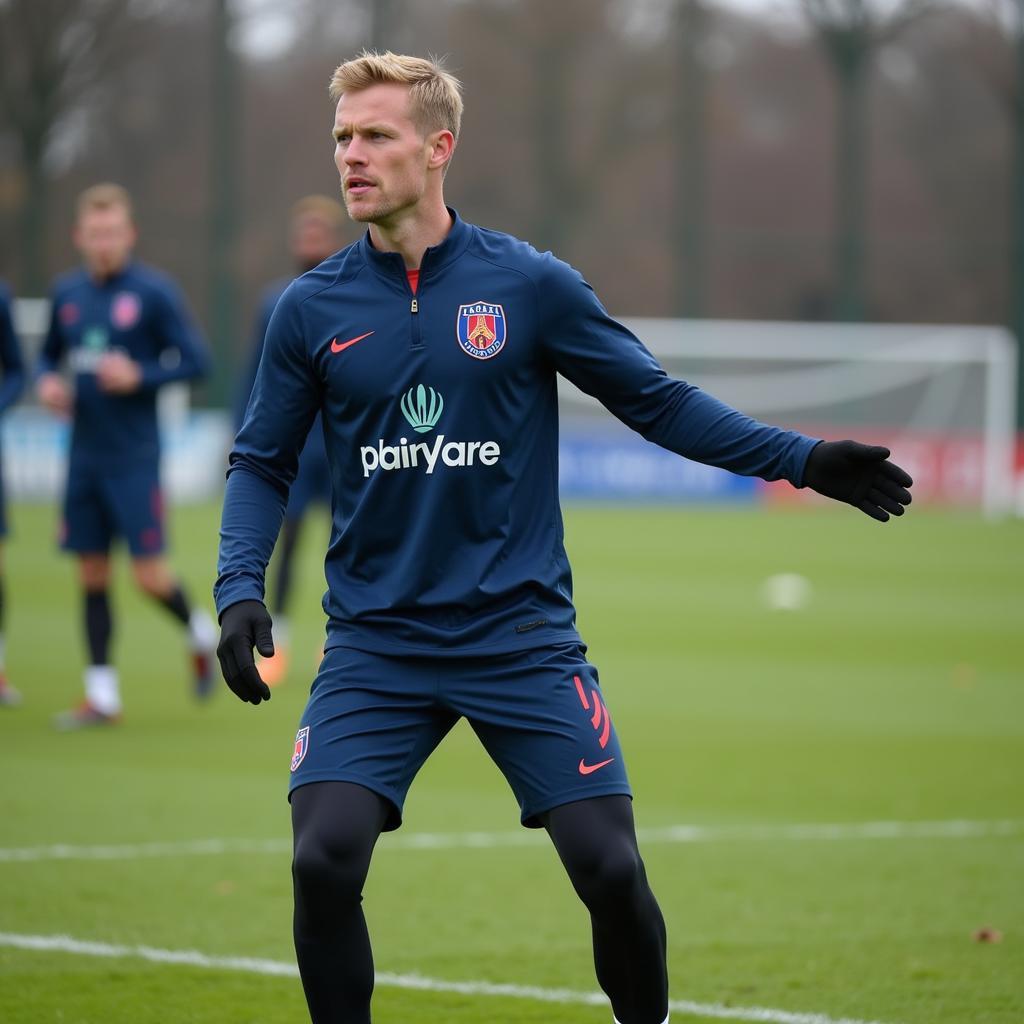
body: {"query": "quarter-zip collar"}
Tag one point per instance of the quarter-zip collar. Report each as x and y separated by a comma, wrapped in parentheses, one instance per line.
(390, 265)
(114, 279)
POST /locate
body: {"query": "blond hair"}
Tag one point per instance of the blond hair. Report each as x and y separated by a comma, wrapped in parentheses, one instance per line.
(435, 95)
(322, 208)
(103, 197)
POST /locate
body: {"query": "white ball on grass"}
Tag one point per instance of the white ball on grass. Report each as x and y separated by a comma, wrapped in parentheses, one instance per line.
(786, 592)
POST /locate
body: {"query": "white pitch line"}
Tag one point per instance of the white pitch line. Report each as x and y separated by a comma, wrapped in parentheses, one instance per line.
(255, 965)
(135, 851)
(535, 837)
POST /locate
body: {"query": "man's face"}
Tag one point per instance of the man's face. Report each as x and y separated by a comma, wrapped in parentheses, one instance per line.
(312, 240)
(104, 236)
(380, 153)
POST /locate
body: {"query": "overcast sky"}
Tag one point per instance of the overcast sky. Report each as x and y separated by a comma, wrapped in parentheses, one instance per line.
(266, 28)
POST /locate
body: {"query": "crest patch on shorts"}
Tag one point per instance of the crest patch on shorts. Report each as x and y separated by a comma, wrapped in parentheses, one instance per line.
(301, 746)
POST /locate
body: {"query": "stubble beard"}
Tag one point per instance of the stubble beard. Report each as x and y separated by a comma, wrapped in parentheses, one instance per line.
(369, 214)
(385, 208)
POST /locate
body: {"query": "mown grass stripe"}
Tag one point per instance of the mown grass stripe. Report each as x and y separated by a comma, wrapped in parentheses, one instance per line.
(486, 989)
(839, 832)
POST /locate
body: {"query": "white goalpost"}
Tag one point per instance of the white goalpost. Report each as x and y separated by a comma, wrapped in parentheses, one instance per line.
(942, 397)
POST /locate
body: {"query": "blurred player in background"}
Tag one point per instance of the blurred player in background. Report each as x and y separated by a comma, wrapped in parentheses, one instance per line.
(125, 332)
(431, 347)
(11, 385)
(315, 232)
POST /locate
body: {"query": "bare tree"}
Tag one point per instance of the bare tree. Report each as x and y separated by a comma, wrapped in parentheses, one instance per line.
(385, 25)
(1016, 108)
(689, 134)
(53, 56)
(692, 138)
(851, 31)
(998, 54)
(224, 213)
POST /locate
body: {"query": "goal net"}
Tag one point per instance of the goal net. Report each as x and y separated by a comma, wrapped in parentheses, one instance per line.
(943, 398)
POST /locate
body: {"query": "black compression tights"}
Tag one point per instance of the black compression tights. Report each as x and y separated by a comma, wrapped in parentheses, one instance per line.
(290, 532)
(597, 844)
(336, 825)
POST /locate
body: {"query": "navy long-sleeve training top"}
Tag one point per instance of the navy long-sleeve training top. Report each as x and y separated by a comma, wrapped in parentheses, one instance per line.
(140, 312)
(441, 424)
(12, 382)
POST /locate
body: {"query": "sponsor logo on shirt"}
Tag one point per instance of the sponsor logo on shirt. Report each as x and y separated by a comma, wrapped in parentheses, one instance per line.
(480, 329)
(422, 407)
(84, 358)
(422, 413)
(96, 339)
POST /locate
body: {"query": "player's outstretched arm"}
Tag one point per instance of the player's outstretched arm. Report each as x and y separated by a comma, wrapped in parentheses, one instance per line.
(861, 475)
(245, 625)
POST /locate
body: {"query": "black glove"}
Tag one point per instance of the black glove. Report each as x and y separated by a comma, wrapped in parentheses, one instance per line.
(243, 626)
(859, 474)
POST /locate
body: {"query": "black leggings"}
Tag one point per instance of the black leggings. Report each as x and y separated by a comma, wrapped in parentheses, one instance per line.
(336, 825)
(596, 841)
(291, 529)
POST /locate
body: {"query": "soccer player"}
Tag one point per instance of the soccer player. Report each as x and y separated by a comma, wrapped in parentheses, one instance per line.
(315, 232)
(125, 332)
(431, 348)
(10, 388)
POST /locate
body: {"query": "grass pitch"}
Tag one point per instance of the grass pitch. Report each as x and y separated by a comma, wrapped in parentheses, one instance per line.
(895, 695)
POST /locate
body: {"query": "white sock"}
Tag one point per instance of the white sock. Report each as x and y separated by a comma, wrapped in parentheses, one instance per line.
(101, 689)
(202, 630)
(616, 1019)
(282, 631)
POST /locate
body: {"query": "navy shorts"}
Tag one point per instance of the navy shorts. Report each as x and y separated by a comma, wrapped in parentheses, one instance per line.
(101, 504)
(374, 719)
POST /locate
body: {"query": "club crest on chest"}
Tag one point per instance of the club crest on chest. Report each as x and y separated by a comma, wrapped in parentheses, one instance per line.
(125, 310)
(481, 329)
